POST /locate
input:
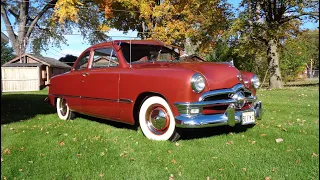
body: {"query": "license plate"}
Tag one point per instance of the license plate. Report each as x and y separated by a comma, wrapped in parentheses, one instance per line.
(248, 118)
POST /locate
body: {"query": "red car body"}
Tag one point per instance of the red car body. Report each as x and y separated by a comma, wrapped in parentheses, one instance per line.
(118, 92)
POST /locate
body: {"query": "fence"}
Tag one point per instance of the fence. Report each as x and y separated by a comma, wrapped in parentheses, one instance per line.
(20, 79)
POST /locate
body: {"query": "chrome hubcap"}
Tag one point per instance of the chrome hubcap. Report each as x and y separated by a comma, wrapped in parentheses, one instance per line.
(63, 107)
(157, 119)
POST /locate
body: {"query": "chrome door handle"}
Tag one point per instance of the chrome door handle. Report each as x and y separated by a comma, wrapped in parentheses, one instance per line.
(84, 74)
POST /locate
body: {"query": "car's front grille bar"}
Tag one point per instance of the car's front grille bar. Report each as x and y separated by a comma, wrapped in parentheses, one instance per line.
(232, 90)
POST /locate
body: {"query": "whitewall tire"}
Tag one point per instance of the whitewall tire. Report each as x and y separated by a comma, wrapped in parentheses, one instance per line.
(63, 110)
(156, 120)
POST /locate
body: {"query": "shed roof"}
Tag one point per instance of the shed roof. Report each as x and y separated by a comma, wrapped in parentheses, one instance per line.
(23, 65)
(51, 62)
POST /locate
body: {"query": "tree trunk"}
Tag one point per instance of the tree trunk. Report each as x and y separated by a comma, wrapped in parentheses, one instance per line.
(143, 30)
(311, 71)
(275, 81)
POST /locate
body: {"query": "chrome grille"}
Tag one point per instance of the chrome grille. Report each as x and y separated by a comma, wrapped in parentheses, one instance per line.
(241, 97)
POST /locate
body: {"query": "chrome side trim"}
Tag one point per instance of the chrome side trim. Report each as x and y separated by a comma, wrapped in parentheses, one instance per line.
(125, 101)
(62, 95)
(99, 99)
(121, 100)
(234, 89)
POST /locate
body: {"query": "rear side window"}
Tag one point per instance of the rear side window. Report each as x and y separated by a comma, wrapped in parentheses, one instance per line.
(104, 58)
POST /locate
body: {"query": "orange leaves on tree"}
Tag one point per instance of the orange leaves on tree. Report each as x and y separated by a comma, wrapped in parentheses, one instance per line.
(107, 8)
(104, 28)
(67, 10)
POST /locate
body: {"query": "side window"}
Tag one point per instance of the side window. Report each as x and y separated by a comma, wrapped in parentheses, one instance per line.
(105, 57)
(83, 62)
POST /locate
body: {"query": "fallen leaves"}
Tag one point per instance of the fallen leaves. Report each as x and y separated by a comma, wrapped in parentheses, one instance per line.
(244, 169)
(315, 154)
(229, 142)
(267, 178)
(263, 135)
(124, 154)
(62, 143)
(173, 161)
(6, 151)
(279, 140)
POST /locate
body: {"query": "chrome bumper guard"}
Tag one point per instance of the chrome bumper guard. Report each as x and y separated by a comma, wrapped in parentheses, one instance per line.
(190, 114)
(230, 117)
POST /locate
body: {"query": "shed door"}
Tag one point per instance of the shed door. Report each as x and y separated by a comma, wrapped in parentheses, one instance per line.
(20, 79)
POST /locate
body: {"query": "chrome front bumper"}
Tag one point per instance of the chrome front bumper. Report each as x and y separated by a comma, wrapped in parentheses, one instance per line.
(230, 117)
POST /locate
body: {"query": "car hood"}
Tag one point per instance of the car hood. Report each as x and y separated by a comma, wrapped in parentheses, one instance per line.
(218, 75)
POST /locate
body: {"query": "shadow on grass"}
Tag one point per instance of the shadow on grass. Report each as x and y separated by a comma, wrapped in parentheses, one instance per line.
(301, 85)
(19, 107)
(187, 134)
(108, 122)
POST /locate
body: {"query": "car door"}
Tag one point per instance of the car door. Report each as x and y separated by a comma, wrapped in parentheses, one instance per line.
(100, 85)
(74, 82)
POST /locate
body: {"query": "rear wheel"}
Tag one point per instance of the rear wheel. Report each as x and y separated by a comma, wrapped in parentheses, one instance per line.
(63, 110)
(156, 120)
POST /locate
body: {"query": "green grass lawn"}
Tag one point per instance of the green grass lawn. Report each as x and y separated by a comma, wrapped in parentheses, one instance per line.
(35, 144)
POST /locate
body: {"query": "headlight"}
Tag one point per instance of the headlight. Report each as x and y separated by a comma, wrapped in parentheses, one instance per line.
(255, 81)
(197, 83)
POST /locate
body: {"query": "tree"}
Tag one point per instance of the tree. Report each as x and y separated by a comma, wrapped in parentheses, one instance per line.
(299, 51)
(272, 21)
(35, 22)
(169, 21)
(6, 53)
(68, 59)
(248, 53)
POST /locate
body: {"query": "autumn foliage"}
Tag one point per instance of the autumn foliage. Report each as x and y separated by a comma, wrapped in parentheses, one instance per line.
(169, 21)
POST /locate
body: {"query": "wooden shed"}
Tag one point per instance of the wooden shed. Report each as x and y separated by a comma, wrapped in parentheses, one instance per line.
(30, 72)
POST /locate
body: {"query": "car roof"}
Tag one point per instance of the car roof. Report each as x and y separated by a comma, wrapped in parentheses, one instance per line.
(147, 42)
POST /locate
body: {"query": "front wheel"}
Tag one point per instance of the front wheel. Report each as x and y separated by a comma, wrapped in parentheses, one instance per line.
(157, 121)
(63, 110)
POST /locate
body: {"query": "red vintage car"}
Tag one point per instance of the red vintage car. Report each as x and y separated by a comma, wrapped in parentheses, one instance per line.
(144, 82)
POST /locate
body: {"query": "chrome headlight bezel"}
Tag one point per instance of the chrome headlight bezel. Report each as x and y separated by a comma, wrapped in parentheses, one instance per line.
(255, 82)
(198, 83)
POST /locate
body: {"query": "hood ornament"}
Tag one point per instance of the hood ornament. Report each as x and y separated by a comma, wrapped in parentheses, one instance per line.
(231, 62)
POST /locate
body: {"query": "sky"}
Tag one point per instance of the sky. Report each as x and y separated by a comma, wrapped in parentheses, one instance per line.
(76, 44)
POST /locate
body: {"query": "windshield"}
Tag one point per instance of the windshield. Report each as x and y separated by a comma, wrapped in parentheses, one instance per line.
(148, 53)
